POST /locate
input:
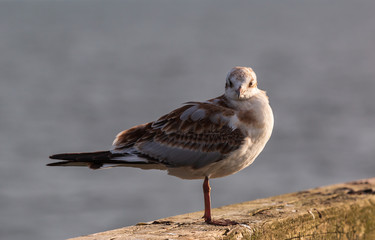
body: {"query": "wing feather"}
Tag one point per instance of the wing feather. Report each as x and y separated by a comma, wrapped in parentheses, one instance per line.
(195, 135)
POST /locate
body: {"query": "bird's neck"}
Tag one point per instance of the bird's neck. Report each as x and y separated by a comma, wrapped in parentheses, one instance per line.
(257, 100)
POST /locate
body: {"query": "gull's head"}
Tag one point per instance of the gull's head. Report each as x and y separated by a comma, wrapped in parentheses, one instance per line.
(241, 83)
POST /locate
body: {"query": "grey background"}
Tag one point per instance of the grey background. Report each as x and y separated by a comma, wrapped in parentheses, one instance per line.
(75, 73)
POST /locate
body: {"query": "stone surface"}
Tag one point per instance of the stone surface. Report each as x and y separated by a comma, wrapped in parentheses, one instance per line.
(342, 211)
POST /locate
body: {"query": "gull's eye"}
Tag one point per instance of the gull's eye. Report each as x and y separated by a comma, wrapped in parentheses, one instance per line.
(230, 83)
(251, 84)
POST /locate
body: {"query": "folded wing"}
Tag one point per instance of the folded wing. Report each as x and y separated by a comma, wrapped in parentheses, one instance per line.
(197, 134)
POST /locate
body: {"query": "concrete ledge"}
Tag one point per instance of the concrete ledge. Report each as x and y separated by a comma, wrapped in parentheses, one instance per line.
(342, 211)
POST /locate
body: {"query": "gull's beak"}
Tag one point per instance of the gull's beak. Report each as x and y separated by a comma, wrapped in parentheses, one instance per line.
(239, 92)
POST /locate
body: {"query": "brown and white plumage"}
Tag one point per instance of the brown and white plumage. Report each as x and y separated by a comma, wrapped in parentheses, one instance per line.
(199, 140)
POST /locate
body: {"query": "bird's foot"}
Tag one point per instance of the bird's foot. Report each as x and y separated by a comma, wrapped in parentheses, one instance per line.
(221, 222)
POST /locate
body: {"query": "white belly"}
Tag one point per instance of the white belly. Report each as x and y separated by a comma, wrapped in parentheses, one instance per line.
(236, 161)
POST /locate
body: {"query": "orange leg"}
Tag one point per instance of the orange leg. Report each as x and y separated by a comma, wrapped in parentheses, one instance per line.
(207, 207)
(207, 200)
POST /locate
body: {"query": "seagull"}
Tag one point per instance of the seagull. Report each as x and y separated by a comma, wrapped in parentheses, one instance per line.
(200, 140)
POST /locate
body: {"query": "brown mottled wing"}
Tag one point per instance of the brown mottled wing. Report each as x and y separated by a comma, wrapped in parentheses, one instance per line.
(194, 135)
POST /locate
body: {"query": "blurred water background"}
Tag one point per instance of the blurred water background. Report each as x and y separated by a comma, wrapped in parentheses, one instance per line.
(75, 73)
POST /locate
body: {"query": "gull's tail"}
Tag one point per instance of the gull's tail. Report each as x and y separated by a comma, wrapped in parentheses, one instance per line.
(93, 160)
